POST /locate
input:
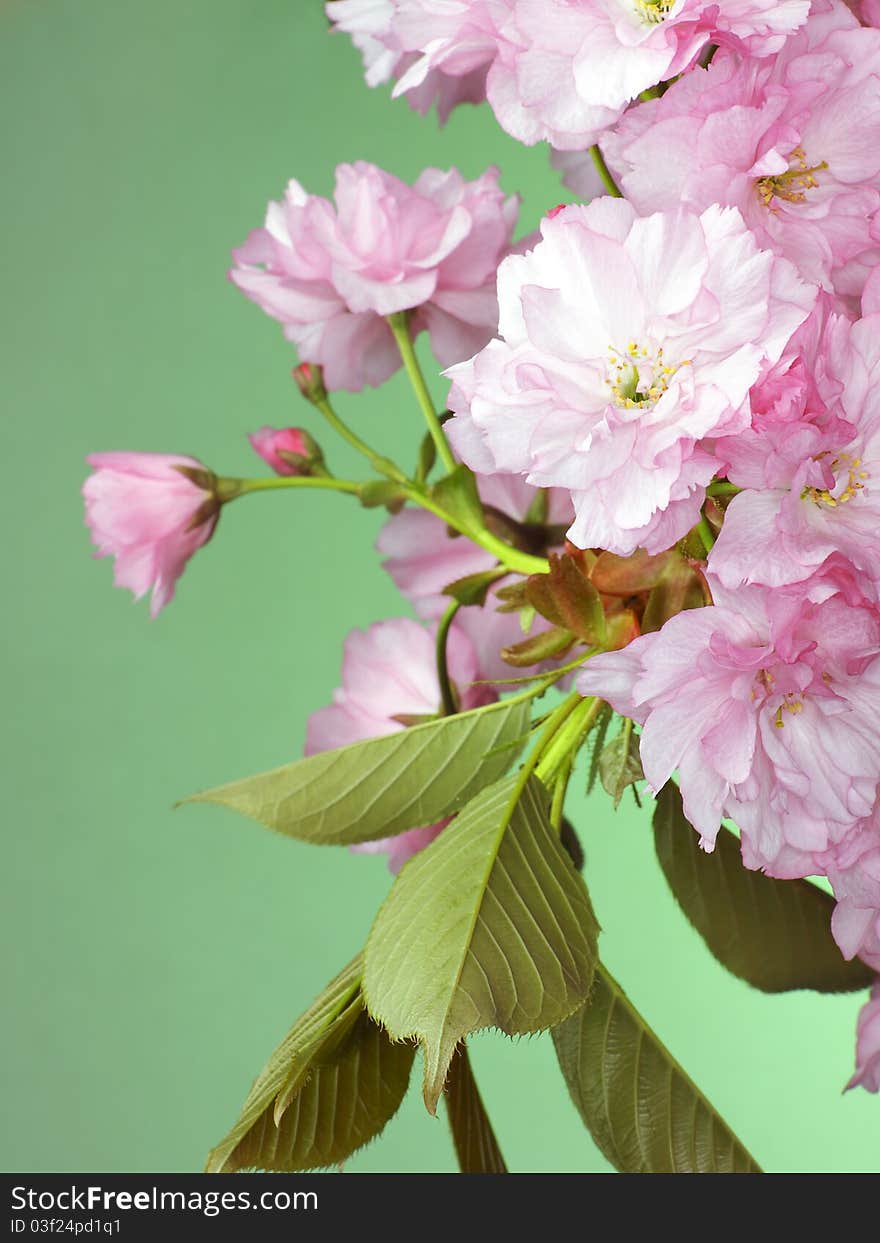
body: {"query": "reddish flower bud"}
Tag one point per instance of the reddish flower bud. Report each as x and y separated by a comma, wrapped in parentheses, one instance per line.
(288, 450)
(309, 379)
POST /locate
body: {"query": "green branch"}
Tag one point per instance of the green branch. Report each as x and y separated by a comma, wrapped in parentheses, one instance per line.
(604, 172)
(399, 324)
(447, 694)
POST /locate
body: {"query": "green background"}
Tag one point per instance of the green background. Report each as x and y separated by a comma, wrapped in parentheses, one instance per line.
(154, 958)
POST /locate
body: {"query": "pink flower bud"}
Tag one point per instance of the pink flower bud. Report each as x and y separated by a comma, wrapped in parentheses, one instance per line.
(288, 450)
(309, 379)
(151, 511)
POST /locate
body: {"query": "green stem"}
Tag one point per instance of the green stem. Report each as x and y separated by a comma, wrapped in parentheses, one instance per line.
(604, 172)
(399, 323)
(568, 739)
(382, 464)
(447, 695)
(512, 558)
(552, 727)
(721, 487)
(560, 789)
(229, 489)
(541, 677)
(705, 533)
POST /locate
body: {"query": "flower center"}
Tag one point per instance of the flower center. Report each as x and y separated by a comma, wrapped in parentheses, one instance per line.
(765, 687)
(849, 480)
(638, 376)
(792, 186)
(653, 12)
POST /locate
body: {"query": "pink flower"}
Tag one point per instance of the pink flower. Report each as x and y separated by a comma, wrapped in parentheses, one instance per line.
(271, 443)
(560, 70)
(423, 558)
(853, 867)
(825, 498)
(389, 680)
(456, 37)
(566, 69)
(330, 273)
(627, 346)
(768, 704)
(867, 1073)
(776, 139)
(144, 511)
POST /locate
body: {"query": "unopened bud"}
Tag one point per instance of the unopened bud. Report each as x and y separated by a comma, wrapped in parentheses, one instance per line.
(288, 450)
(309, 379)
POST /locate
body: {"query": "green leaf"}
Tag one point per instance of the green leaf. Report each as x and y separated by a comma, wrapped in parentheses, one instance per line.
(457, 494)
(567, 598)
(386, 785)
(330, 1087)
(603, 721)
(542, 646)
(475, 1144)
(645, 1114)
(629, 576)
(490, 926)
(473, 588)
(678, 588)
(619, 763)
(774, 934)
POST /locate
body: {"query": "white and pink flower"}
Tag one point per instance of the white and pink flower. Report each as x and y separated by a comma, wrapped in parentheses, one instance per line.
(330, 273)
(768, 705)
(627, 347)
(823, 500)
(792, 141)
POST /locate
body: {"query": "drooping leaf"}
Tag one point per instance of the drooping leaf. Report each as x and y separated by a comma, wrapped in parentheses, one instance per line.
(629, 576)
(774, 934)
(542, 646)
(473, 588)
(603, 721)
(643, 1111)
(619, 763)
(490, 926)
(476, 1147)
(330, 1087)
(679, 587)
(386, 785)
(567, 598)
(457, 494)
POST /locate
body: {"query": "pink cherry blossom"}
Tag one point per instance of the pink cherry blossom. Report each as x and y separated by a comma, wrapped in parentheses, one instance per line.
(826, 498)
(332, 272)
(776, 139)
(271, 442)
(423, 558)
(853, 868)
(768, 705)
(142, 510)
(437, 51)
(389, 678)
(867, 1072)
(560, 70)
(626, 347)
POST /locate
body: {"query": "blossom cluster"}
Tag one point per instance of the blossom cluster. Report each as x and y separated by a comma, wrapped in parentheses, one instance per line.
(695, 352)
